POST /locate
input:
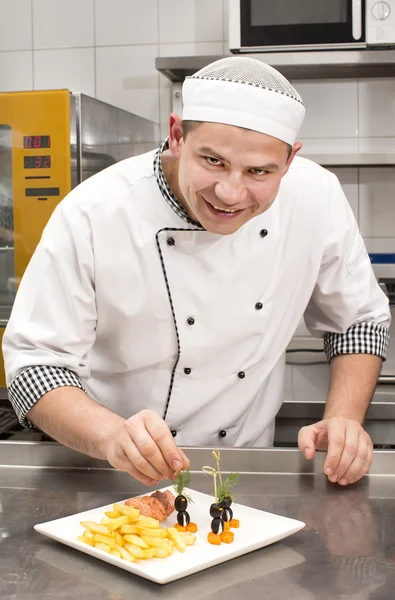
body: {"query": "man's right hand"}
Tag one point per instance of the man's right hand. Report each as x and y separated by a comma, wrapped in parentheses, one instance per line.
(144, 447)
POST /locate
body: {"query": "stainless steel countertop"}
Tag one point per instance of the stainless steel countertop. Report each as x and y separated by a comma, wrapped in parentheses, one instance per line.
(347, 549)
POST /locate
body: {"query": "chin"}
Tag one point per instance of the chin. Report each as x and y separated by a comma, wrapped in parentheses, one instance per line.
(222, 228)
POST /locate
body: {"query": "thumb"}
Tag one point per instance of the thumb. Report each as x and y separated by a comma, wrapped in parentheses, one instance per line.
(306, 441)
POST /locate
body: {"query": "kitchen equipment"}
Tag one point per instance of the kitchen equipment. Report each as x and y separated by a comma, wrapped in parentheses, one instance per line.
(289, 25)
(50, 141)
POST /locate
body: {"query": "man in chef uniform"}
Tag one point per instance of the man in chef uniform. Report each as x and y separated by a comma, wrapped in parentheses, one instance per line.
(157, 308)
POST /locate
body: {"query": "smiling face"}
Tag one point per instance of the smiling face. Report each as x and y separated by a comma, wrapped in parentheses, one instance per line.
(227, 175)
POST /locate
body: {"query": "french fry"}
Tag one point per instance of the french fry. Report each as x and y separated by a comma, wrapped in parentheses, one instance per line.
(119, 539)
(114, 524)
(149, 552)
(129, 511)
(104, 539)
(134, 550)
(161, 552)
(85, 540)
(188, 538)
(160, 533)
(125, 533)
(147, 522)
(136, 540)
(153, 542)
(94, 527)
(168, 545)
(103, 547)
(129, 529)
(176, 537)
(113, 514)
(126, 555)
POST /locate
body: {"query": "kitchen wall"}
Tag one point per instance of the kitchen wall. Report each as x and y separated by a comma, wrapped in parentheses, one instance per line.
(102, 48)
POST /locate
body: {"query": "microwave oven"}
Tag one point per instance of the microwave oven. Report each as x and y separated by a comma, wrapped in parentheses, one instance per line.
(292, 25)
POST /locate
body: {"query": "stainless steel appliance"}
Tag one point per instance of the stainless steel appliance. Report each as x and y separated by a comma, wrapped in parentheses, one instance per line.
(50, 141)
(286, 25)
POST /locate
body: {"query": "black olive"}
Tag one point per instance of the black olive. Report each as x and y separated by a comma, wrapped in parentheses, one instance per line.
(227, 514)
(215, 511)
(180, 503)
(226, 503)
(183, 518)
(217, 526)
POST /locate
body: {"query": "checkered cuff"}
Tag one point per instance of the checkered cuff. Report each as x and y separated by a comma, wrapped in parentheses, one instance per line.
(28, 387)
(362, 338)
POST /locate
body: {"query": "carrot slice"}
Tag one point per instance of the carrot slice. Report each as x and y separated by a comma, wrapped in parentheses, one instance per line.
(234, 523)
(227, 537)
(192, 527)
(226, 525)
(180, 527)
(214, 538)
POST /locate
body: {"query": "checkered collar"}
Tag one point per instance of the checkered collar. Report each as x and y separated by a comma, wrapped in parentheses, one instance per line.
(165, 188)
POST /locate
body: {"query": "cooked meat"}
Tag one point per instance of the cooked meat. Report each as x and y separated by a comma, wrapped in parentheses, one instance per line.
(167, 499)
(158, 506)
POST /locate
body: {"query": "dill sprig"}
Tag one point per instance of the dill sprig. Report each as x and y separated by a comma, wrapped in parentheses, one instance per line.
(183, 479)
(223, 490)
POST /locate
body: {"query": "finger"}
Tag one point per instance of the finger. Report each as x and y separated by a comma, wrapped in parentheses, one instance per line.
(134, 453)
(137, 474)
(358, 467)
(185, 460)
(165, 443)
(148, 454)
(336, 439)
(306, 441)
(349, 452)
(120, 461)
(363, 461)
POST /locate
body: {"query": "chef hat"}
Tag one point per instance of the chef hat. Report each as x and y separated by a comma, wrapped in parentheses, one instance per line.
(247, 93)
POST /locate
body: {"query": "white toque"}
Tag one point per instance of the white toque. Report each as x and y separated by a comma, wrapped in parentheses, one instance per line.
(247, 93)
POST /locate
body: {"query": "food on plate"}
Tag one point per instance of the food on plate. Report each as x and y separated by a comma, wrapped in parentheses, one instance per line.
(125, 533)
(159, 505)
(184, 524)
(221, 511)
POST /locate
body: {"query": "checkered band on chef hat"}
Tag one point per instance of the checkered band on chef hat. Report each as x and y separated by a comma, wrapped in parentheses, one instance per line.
(244, 92)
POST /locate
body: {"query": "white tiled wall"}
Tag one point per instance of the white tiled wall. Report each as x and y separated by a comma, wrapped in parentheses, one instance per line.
(107, 48)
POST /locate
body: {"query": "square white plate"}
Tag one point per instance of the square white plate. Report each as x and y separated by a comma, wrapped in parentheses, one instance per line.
(257, 529)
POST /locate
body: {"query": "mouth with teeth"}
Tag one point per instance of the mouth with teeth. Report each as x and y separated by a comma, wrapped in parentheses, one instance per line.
(223, 213)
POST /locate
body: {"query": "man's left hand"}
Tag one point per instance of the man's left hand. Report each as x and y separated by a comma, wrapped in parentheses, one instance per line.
(349, 448)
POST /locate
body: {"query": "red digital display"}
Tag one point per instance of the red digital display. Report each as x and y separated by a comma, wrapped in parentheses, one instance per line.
(37, 162)
(36, 141)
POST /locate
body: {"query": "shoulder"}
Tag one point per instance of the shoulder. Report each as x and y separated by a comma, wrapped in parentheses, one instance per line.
(306, 169)
(113, 186)
(309, 180)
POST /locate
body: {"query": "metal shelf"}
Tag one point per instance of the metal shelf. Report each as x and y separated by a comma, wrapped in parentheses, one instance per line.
(378, 159)
(297, 65)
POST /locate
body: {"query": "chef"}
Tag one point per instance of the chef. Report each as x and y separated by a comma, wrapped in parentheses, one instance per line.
(157, 308)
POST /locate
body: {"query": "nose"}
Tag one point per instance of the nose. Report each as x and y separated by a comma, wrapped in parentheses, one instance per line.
(231, 190)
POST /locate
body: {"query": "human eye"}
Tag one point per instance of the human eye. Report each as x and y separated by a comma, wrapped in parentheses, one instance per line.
(258, 172)
(213, 161)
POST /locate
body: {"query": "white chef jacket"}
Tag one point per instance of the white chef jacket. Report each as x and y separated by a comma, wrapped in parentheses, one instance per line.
(152, 312)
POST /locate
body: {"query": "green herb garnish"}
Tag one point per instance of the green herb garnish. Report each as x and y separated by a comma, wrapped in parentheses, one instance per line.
(183, 479)
(223, 490)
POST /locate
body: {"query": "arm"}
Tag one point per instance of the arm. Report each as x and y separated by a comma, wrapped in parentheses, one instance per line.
(353, 381)
(77, 422)
(68, 415)
(349, 309)
(47, 352)
(349, 447)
